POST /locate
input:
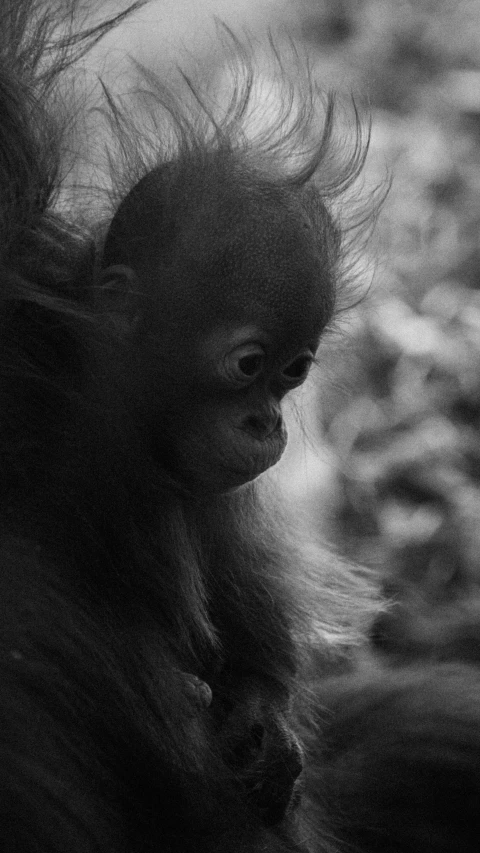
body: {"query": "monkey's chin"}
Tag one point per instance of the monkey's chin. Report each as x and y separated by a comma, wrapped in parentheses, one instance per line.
(224, 480)
(217, 478)
(235, 478)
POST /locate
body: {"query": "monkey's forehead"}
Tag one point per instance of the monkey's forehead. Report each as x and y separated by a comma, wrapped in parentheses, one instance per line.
(271, 276)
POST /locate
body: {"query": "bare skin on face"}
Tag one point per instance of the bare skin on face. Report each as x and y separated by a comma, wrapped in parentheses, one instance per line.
(240, 309)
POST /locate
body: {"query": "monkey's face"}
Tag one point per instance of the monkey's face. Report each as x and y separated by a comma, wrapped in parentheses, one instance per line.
(226, 424)
(233, 325)
(232, 427)
(244, 324)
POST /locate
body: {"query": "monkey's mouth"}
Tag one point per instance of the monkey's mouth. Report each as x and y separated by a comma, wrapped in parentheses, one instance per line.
(224, 472)
(257, 455)
(242, 474)
(239, 478)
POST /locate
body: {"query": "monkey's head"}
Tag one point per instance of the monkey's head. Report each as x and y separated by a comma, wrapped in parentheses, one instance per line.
(223, 280)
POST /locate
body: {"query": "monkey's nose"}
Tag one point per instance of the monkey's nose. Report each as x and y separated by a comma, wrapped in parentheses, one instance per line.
(262, 425)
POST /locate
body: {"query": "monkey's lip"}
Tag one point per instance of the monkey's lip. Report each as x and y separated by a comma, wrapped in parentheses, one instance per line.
(220, 476)
(239, 478)
(245, 474)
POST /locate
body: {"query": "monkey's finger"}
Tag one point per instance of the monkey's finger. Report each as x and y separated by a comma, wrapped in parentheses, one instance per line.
(198, 690)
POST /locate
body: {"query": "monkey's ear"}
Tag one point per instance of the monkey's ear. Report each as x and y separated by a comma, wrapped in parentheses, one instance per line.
(118, 295)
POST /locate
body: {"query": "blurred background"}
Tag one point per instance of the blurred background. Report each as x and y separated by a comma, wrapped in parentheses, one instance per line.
(395, 479)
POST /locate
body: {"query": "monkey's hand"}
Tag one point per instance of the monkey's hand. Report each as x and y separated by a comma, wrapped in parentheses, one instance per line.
(197, 690)
(259, 744)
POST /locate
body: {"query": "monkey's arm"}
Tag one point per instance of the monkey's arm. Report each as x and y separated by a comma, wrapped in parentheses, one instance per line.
(254, 690)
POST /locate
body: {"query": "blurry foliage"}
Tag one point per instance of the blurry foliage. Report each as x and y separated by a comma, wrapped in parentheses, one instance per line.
(408, 436)
(407, 432)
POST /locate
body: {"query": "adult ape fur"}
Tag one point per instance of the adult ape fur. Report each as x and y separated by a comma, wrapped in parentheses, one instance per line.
(397, 766)
(156, 622)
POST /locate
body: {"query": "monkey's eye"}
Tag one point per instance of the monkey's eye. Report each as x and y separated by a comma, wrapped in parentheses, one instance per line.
(298, 369)
(244, 364)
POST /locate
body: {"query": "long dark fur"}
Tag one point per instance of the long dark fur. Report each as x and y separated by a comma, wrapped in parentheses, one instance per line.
(115, 582)
(397, 766)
